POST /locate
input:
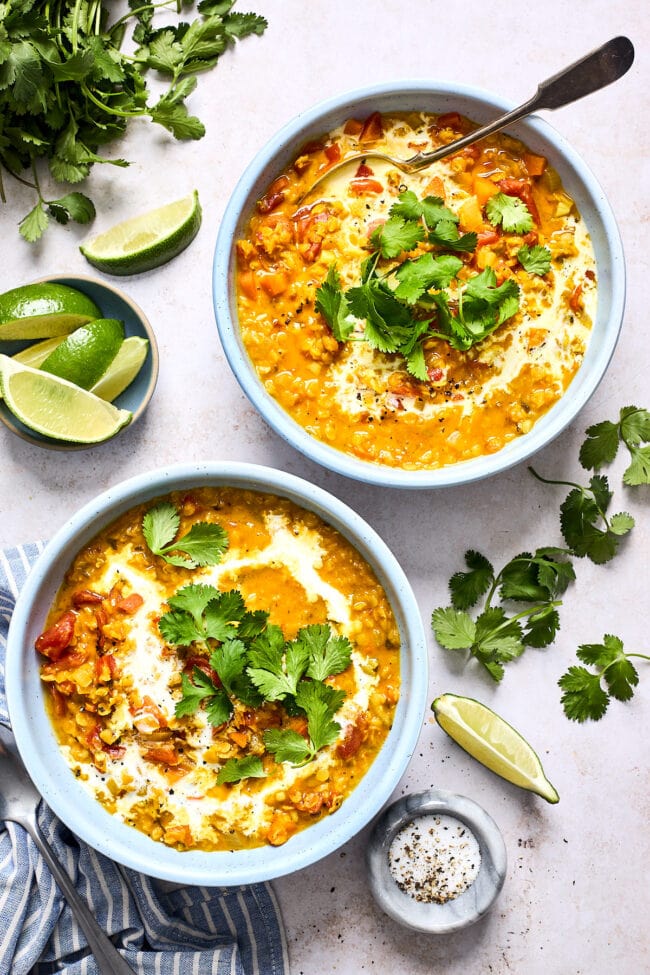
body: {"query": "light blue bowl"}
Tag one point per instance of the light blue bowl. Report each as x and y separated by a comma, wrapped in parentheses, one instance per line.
(480, 106)
(112, 303)
(90, 821)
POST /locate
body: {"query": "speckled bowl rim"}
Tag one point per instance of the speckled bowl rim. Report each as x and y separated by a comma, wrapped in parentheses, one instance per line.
(62, 445)
(81, 813)
(469, 906)
(435, 96)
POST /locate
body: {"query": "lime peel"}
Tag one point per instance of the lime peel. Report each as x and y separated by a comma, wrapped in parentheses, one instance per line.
(484, 735)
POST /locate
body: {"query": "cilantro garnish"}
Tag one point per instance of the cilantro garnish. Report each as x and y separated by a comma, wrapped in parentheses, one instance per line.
(67, 89)
(320, 702)
(585, 525)
(236, 769)
(603, 439)
(407, 300)
(509, 212)
(204, 544)
(496, 636)
(586, 694)
(535, 260)
(248, 660)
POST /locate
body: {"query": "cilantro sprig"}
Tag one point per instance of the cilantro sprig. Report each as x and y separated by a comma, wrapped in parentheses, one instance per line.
(403, 300)
(603, 440)
(497, 635)
(67, 88)
(609, 673)
(319, 702)
(586, 527)
(204, 544)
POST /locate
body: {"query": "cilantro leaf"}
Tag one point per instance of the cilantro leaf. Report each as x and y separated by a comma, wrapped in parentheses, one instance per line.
(634, 425)
(287, 746)
(580, 513)
(417, 276)
(204, 544)
(327, 654)
(601, 445)
(193, 693)
(320, 702)
(638, 471)
(397, 235)
(509, 212)
(535, 260)
(333, 306)
(467, 587)
(454, 629)
(445, 234)
(583, 697)
(236, 769)
(276, 667)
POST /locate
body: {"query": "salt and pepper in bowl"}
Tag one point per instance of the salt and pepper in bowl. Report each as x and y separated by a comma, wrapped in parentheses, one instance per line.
(436, 861)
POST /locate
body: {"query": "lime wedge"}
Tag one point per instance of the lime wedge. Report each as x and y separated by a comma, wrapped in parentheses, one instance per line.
(146, 241)
(57, 408)
(37, 352)
(39, 311)
(84, 356)
(123, 369)
(493, 742)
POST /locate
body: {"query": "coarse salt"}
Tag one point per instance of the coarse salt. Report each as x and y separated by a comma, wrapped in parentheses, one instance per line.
(434, 858)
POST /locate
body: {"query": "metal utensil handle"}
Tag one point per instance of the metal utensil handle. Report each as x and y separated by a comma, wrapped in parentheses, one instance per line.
(595, 70)
(109, 960)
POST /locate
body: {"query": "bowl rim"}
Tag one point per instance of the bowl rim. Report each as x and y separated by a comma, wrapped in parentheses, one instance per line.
(81, 812)
(63, 445)
(318, 119)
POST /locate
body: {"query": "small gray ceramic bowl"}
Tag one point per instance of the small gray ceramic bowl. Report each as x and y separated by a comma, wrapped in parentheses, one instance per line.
(437, 97)
(462, 910)
(113, 303)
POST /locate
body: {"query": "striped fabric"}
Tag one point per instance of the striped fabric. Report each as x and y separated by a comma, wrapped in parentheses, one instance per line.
(159, 928)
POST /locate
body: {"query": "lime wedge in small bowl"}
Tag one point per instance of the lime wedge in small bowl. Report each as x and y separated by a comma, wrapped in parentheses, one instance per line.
(493, 742)
(147, 240)
(42, 310)
(57, 408)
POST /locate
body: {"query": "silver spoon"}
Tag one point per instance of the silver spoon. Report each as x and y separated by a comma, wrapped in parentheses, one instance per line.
(592, 72)
(19, 801)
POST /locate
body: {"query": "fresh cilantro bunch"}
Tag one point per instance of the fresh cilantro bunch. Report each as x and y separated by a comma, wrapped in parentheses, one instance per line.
(496, 634)
(603, 440)
(586, 527)
(250, 661)
(405, 303)
(204, 544)
(587, 692)
(67, 89)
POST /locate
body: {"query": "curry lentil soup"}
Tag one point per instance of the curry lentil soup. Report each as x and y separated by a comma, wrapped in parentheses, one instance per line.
(363, 401)
(115, 682)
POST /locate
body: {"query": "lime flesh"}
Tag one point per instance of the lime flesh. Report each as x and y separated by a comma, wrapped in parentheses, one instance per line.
(57, 408)
(146, 241)
(123, 369)
(39, 311)
(493, 742)
(84, 356)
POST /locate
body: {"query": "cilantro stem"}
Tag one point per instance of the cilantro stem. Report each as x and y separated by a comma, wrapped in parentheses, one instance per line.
(145, 7)
(546, 480)
(107, 109)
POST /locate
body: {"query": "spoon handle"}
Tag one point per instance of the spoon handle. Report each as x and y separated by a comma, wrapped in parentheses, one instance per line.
(109, 961)
(592, 72)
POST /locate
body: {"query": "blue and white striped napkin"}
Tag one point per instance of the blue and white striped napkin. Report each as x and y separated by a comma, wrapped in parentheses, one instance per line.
(181, 931)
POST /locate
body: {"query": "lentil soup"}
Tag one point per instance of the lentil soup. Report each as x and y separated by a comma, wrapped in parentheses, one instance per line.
(137, 699)
(367, 402)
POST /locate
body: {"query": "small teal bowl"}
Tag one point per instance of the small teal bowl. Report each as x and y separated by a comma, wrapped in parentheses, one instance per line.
(480, 106)
(86, 817)
(112, 303)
